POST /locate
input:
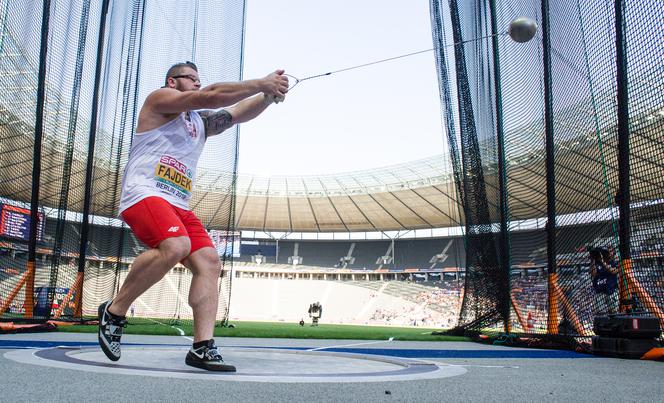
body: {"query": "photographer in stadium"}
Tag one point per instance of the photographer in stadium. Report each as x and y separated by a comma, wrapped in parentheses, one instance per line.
(604, 275)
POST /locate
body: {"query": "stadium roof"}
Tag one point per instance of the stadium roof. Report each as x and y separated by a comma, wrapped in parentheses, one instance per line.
(414, 195)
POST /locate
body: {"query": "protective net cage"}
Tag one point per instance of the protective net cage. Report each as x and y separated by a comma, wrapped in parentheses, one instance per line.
(74, 76)
(534, 138)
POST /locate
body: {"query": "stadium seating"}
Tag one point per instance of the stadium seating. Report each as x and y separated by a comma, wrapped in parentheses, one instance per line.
(366, 254)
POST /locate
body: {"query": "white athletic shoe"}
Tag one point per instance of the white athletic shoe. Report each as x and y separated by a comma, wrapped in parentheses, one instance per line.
(110, 331)
(207, 357)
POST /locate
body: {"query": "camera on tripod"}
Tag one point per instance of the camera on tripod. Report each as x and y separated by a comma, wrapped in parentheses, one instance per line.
(315, 312)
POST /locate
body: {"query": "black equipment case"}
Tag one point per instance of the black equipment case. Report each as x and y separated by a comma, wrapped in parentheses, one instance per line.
(622, 348)
(628, 326)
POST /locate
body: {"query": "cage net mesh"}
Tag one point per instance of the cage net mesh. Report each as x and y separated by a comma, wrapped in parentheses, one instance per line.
(81, 262)
(585, 159)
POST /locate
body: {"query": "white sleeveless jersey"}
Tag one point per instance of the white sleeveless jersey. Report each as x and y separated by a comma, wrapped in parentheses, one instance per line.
(162, 162)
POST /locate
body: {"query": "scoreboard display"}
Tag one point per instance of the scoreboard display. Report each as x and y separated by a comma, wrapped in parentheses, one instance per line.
(15, 223)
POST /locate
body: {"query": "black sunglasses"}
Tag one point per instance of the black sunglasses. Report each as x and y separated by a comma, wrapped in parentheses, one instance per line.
(189, 76)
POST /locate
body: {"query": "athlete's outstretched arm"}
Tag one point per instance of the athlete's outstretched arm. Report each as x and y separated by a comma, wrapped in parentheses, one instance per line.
(218, 95)
(218, 121)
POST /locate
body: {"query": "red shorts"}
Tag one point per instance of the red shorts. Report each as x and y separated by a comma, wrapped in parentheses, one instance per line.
(153, 219)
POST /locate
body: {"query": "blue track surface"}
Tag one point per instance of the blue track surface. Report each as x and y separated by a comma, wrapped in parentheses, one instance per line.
(397, 352)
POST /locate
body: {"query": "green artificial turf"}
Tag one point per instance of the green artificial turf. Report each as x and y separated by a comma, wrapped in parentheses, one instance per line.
(277, 330)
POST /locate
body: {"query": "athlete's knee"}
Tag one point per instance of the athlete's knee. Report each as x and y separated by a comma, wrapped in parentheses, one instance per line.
(211, 261)
(175, 249)
(203, 262)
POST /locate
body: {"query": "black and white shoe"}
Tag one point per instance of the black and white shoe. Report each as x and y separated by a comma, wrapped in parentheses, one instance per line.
(110, 331)
(207, 357)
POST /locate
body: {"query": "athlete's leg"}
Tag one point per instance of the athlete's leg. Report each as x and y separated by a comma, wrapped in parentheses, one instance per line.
(204, 291)
(156, 223)
(205, 268)
(148, 268)
(203, 298)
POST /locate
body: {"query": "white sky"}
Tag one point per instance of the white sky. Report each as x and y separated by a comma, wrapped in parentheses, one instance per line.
(375, 116)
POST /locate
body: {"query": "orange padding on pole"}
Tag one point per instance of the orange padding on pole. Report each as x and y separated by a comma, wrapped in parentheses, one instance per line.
(12, 295)
(552, 319)
(569, 309)
(30, 289)
(655, 354)
(636, 288)
(6, 327)
(555, 293)
(524, 325)
(78, 300)
(74, 288)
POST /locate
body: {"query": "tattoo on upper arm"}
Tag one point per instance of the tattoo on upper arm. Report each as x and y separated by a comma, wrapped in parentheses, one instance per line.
(217, 122)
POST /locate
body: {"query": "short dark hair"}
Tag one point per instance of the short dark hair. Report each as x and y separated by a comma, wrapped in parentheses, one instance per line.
(595, 254)
(176, 69)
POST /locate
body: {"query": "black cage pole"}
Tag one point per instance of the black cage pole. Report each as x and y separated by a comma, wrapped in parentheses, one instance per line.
(85, 226)
(36, 163)
(623, 196)
(552, 320)
(505, 263)
(483, 279)
(447, 114)
(446, 99)
(63, 205)
(133, 72)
